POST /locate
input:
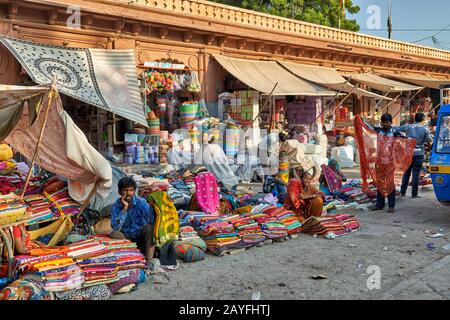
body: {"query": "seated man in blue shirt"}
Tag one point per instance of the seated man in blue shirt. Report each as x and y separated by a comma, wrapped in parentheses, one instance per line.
(422, 135)
(133, 218)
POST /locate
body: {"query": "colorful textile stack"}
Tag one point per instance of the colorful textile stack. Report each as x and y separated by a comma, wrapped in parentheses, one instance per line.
(126, 252)
(190, 247)
(349, 221)
(232, 141)
(288, 218)
(86, 249)
(39, 208)
(248, 229)
(56, 272)
(10, 184)
(187, 233)
(99, 270)
(98, 265)
(62, 204)
(331, 226)
(189, 218)
(12, 209)
(274, 229)
(219, 235)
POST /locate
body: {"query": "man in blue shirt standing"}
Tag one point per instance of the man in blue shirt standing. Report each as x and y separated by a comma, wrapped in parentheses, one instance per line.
(133, 218)
(422, 135)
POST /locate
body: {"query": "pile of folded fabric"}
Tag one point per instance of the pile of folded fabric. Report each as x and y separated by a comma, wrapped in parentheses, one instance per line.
(12, 209)
(188, 218)
(39, 208)
(331, 226)
(11, 184)
(219, 234)
(178, 197)
(273, 229)
(126, 252)
(62, 203)
(99, 266)
(52, 268)
(288, 218)
(190, 247)
(248, 230)
(350, 222)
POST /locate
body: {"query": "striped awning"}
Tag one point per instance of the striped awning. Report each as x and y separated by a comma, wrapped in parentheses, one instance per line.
(103, 78)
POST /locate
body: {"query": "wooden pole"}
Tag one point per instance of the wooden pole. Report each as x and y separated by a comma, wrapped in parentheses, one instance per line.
(331, 102)
(41, 135)
(340, 103)
(370, 109)
(387, 106)
(408, 101)
(265, 104)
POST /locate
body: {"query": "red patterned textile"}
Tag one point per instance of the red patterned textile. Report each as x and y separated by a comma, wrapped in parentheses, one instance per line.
(382, 158)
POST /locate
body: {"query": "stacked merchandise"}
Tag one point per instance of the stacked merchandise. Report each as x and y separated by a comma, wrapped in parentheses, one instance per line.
(231, 146)
(10, 184)
(331, 226)
(273, 229)
(192, 218)
(39, 208)
(62, 204)
(54, 269)
(188, 114)
(304, 111)
(12, 209)
(248, 229)
(126, 252)
(178, 198)
(244, 107)
(288, 218)
(99, 266)
(219, 235)
(349, 222)
(188, 233)
(190, 247)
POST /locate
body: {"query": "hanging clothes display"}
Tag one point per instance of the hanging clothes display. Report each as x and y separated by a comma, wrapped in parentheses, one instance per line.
(384, 159)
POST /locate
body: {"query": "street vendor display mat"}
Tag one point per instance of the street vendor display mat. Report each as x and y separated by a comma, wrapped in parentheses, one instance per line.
(104, 78)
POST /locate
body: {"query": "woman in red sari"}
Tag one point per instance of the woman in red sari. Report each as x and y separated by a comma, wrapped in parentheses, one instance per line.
(303, 198)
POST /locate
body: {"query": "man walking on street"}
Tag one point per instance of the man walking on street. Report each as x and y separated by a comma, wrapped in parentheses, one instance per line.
(422, 135)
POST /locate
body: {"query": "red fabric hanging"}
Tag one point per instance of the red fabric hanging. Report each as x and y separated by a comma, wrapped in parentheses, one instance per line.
(384, 159)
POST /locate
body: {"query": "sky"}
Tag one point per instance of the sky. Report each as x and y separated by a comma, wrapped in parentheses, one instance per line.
(422, 19)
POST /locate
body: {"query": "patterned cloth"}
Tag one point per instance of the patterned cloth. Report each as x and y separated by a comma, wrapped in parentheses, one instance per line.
(334, 182)
(167, 225)
(383, 158)
(25, 289)
(207, 192)
(104, 78)
(98, 292)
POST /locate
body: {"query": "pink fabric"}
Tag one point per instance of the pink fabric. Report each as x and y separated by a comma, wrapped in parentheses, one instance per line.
(52, 152)
(334, 182)
(207, 192)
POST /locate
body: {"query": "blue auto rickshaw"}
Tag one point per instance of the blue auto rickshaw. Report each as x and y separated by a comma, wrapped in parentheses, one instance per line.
(440, 157)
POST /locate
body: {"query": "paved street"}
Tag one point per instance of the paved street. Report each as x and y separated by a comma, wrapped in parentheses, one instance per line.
(396, 243)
